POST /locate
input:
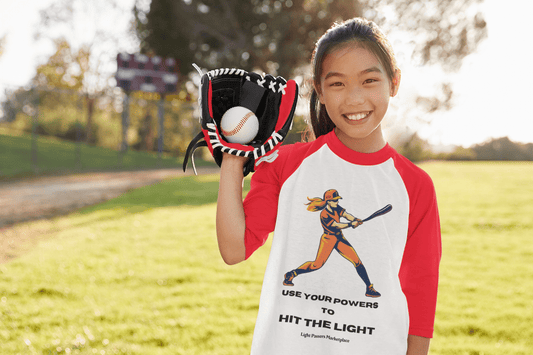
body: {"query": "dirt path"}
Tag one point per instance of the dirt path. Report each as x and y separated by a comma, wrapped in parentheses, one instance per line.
(47, 197)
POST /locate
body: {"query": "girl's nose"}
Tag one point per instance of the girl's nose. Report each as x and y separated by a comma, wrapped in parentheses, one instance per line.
(355, 96)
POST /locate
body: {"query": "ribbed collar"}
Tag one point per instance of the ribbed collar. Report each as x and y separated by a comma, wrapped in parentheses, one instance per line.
(354, 157)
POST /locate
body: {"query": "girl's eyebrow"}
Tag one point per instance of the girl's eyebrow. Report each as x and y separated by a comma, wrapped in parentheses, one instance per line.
(332, 74)
(373, 69)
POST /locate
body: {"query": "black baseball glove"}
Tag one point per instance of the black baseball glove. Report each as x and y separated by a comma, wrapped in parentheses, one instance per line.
(273, 100)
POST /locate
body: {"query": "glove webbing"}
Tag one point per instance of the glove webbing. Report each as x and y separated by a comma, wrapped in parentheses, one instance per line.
(250, 97)
(272, 86)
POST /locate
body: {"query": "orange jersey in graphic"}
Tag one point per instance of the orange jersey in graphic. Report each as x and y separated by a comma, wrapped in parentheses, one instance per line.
(327, 218)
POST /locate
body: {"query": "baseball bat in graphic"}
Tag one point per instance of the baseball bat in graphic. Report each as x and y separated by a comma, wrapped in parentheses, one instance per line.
(378, 213)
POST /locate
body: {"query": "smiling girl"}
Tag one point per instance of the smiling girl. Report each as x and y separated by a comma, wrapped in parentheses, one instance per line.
(354, 75)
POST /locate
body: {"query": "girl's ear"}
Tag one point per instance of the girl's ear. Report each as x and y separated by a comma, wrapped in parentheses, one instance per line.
(396, 82)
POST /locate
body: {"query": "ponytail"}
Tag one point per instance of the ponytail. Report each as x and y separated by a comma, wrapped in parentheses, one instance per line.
(320, 123)
(316, 204)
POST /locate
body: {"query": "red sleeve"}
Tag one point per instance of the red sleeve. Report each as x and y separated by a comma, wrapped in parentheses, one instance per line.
(419, 271)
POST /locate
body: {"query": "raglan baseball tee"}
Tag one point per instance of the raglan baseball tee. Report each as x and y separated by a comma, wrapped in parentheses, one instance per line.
(327, 311)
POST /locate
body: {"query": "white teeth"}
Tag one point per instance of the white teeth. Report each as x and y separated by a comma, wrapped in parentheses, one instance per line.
(358, 116)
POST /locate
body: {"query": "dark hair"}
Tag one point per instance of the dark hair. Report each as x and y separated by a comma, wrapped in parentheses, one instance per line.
(364, 33)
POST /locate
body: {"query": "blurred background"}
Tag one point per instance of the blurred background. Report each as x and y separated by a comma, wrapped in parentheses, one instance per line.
(465, 91)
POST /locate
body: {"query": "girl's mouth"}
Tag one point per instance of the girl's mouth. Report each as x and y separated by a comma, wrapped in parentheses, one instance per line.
(357, 116)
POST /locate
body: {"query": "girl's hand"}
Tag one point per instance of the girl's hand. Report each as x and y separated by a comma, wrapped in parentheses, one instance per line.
(356, 223)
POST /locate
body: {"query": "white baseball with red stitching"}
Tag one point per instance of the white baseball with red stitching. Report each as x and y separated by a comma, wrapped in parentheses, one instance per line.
(239, 125)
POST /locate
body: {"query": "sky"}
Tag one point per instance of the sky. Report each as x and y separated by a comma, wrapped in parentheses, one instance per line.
(494, 88)
(492, 91)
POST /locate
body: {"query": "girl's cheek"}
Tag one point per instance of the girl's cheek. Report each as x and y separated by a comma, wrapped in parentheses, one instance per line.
(334, 98)
(381, 95)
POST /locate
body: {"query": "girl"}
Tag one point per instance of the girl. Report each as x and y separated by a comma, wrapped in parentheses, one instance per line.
(354, 76)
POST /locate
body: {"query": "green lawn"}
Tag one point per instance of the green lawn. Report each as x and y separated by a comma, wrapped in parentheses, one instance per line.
(54, 155)
(141, 274)
(485, 296)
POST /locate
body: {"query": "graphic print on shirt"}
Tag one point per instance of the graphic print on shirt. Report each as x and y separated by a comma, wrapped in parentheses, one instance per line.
(333, 238)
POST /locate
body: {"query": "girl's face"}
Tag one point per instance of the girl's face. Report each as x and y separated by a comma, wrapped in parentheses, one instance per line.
(355, 90)
(333, 203)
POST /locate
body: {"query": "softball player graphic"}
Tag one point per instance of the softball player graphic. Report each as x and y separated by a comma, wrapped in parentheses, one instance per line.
(332, 238)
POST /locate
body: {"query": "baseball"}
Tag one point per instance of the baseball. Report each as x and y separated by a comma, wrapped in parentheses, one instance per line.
(239, 125)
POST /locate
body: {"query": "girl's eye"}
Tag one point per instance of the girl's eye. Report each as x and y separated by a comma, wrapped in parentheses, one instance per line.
(338, 83)
(370, 81)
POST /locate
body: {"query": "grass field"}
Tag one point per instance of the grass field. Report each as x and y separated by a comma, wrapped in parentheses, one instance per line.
(56, 155)
(141, 274)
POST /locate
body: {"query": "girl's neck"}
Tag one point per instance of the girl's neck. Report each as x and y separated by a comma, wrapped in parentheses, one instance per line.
(370, 144)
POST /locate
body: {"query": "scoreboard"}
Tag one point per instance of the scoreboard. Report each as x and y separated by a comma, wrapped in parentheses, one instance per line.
(139, 72)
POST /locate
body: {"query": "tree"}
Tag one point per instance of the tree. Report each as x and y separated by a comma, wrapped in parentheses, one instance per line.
(83, 25)
(415, 149)
(20, 101)
(440, 32)
(55, 88)
(503, 149)
(55, 92)
(65, 69)
(461, 153)
(278, 36)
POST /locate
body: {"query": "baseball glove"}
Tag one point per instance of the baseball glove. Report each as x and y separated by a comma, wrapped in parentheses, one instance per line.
(273, 100)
